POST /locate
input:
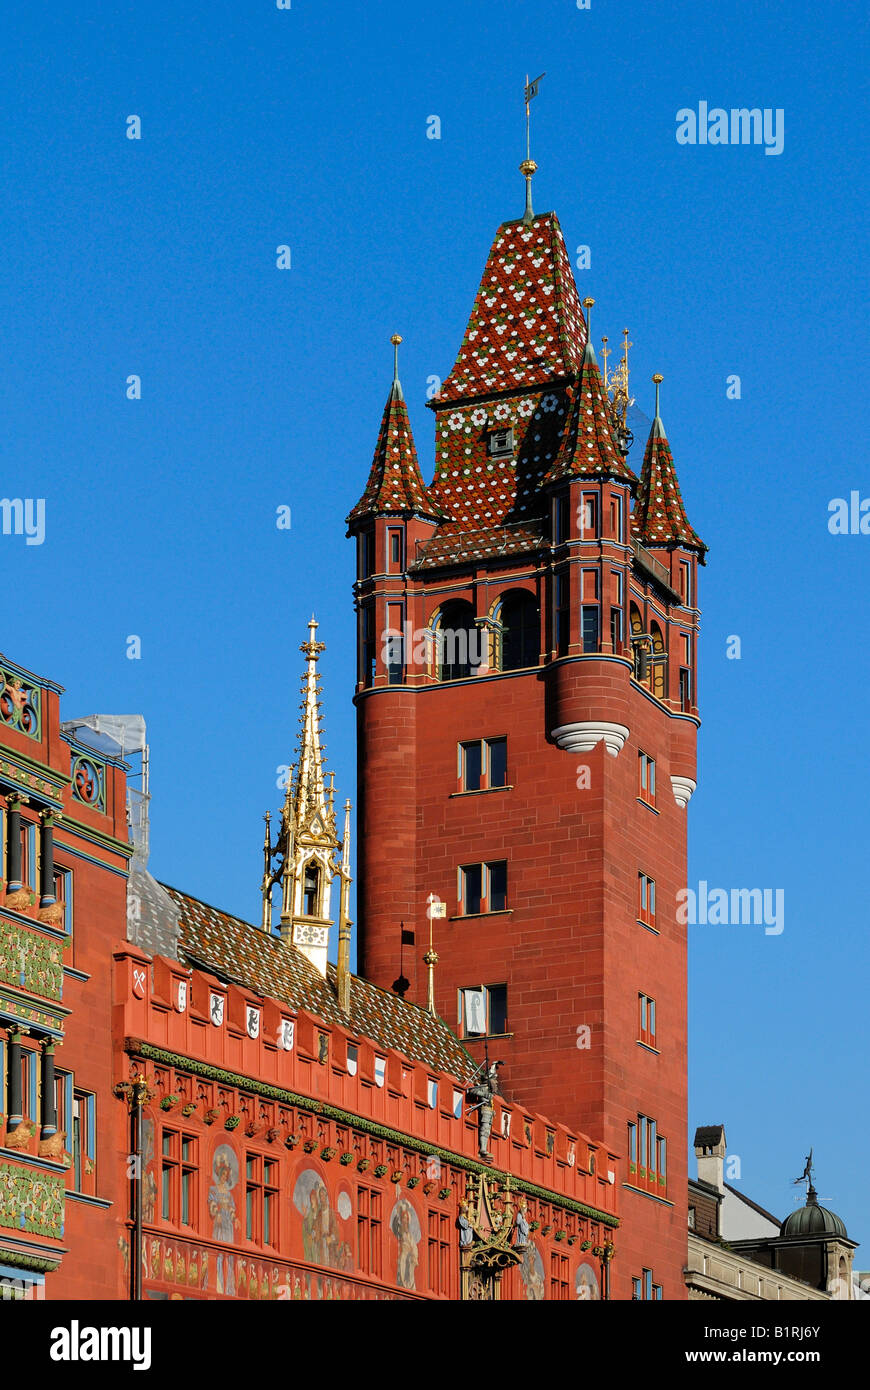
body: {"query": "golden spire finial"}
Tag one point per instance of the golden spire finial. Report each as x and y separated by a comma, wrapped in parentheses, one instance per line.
(658, 379)
(528, 166)
(587, 305)
(395, 340)
(605, 353)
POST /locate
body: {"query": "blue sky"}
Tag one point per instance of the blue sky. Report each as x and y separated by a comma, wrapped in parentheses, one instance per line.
(260, 388)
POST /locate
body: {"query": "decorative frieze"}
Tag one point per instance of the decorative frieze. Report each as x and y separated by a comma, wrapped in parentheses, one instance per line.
(89, 781)
(31, 961)
(31, 1201)
(20, 704)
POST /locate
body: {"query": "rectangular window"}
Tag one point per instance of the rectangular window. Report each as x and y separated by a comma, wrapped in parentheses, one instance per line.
(588, 586)
(483, 888)
(472, 766)
(685, 581)
(63, 892)
(395, 641)
(560, 518)
(396, 551)
(647, 1155)
(496, 758)
(366, 554)
(178, 1171)
(646, 1020)
(367, 645)
(471, 889)
(588, 517)
(369, 1229)
(439, 1248)
(561, 614)
(483, 1011)
(590, 626)
(685, 689)
(483, 764)
(646, 907)
(616, 516)
(496, 875)
(646, 771)
(559, 1277)
(616, 629)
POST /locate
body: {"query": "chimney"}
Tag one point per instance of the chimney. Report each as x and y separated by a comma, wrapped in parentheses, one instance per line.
(710, 1152)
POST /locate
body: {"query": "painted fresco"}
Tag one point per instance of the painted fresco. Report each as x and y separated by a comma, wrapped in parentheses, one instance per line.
(405, 1226)
(532, 1273)
(221, 1199)
(586, 1283)
(326, 1237)
(186, 1271)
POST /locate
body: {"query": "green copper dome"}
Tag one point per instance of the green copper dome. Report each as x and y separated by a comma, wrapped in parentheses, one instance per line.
(813, 1220)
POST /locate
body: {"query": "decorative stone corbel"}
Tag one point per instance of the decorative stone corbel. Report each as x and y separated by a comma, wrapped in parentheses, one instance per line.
(582, 737)
(683, 788)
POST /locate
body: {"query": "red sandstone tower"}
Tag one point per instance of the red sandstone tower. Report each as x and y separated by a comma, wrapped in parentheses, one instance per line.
(527, 724)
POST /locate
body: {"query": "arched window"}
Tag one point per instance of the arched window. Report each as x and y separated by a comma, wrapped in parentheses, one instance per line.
(659, 670)
(311, 890)
(458, 641)
(521, 638)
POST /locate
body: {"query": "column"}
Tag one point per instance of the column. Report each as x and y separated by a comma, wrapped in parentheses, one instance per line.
(46, 861)
(49, 1099)
(13, 845)
(13, 1081)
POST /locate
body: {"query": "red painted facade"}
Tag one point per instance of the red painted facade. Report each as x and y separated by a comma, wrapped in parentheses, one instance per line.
(63, 1222)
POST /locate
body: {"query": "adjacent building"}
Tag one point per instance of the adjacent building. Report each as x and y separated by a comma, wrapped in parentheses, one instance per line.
(739, 1251)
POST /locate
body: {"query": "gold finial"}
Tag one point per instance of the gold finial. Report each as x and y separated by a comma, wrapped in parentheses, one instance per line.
(395, 340)
(587, 305)
(431, 960)
(620, 400)
(658, 379)
(605, 353)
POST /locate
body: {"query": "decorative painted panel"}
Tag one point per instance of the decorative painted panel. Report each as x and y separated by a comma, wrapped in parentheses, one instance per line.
(89, 781)
(31, 1201)
(31, 961)
(20, 704)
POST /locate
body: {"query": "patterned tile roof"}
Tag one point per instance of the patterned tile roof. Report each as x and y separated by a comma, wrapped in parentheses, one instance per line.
(526, 326)
(588, 446)
(458, 547)
(235, 950)
(395, 483)
(659, 517)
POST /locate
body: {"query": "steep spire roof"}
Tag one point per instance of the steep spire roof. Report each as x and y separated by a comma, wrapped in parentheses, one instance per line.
(395, 483)
(526, 327)
(659, 517)
(589, 448)
(311, 797)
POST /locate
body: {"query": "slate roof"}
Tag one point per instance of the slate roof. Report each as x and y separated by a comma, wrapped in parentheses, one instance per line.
(526, 326)
(659, 517)
(245, 955)
(589, 448)
(395, 483)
